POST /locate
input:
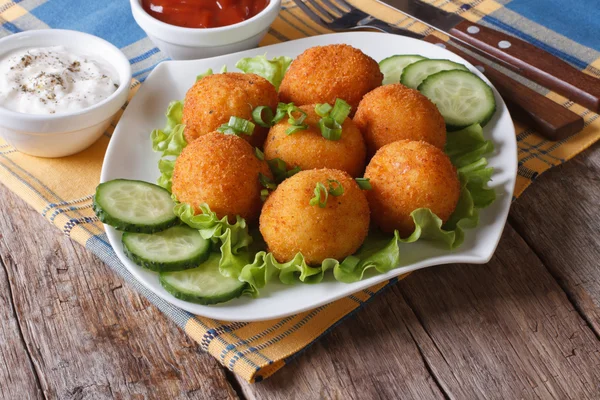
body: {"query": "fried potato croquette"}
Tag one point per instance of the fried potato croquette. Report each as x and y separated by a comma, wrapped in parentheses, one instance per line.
(223, 172)
(323, 73)
(215, 98)
(408, 175)
(395, 112)
(289, 224)
(308, 149)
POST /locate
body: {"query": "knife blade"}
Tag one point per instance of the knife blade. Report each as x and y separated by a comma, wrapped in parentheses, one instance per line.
(516, 54)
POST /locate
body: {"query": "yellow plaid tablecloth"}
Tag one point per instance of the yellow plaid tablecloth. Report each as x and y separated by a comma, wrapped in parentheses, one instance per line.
(61, 189)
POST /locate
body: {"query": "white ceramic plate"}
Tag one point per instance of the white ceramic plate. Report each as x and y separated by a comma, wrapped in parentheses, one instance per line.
(130, 156)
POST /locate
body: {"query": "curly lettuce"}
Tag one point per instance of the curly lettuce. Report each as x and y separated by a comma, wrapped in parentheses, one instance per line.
(272, 70)
(169, 141)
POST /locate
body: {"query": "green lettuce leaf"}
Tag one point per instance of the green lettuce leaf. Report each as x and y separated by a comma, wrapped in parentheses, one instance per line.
(169, 141)
(272, 70)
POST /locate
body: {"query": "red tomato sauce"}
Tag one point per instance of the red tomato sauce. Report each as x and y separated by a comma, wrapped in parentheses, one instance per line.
(203, 13)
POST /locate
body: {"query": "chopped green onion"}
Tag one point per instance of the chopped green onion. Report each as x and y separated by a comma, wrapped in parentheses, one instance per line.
(338, 190)
(263, 116)
(223, 69)
(227, 130)
(364, 183)
(280, 113)
(279, 169)
(259, 154)
(320, 197)
(264, 194)
(295, 128)
(330, 129)
(293, 120)
(267, 182)
(241, 125)
(340, 111)
(323, 110)
(207, 73)
(293, 172)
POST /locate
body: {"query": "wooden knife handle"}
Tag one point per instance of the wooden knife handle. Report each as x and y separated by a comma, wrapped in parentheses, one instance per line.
(533, 63)
(550, 119)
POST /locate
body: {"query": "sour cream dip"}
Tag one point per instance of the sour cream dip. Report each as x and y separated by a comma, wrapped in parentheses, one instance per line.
(53, 80)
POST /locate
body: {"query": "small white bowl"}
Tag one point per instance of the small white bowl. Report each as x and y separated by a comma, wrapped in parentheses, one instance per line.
(60, 135)
(193, 43)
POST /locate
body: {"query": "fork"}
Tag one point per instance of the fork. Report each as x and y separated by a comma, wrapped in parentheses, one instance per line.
(548, 118)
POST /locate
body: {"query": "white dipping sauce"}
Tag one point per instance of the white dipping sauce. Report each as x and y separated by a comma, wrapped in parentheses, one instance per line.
(52, 80)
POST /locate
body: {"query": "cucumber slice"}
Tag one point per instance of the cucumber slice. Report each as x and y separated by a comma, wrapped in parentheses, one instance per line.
(415, 73)
(392, 67)
(134, 206)
(204, 284)
(174, 249)
(462, 98)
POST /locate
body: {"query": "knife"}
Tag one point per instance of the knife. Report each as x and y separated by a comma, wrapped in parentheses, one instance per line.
(518, 55)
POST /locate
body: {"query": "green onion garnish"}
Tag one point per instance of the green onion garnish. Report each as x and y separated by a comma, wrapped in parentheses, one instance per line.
(293, 120)
(323, 110)
(335, 187)
(364, 183)
(259, 154)
(295, 128)
(293, 172)
(330, 129)
(237, 126)
(241, 125)
(340, 111)
(280, 113)
(320, 197)
(267, 182)
(279, 169)
(264, 194)
(263, 116)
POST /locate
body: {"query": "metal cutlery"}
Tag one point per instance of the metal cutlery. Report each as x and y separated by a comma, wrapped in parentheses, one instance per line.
(548, 118)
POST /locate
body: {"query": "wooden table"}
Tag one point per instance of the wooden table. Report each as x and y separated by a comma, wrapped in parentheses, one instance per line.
(526, 325)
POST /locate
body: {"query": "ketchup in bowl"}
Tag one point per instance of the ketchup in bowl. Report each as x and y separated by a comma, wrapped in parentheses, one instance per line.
(203, 13)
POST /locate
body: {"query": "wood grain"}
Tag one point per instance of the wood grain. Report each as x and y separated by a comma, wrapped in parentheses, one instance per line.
(369, 356)
(17, 376)
(548, 118)
(88, 334)
(559, 217)
(533, 63)
(506, 329)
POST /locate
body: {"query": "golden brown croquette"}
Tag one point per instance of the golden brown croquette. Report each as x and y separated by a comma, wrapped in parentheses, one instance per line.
(308, 149)
(215, 98)
(395, 112)
(223, 172)
(323, 73)
(290, 225)
(406, 176)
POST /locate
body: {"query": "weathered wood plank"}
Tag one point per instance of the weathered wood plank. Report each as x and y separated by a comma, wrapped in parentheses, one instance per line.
(559, 217)
(17, 376)
(369, 356)
(89, 334)
(506, 329)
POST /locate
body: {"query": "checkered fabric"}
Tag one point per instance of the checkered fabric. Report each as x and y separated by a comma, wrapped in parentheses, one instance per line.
(61, 189)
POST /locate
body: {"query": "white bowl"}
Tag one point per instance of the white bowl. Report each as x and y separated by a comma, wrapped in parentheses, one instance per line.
(60, 135)
(193, 43)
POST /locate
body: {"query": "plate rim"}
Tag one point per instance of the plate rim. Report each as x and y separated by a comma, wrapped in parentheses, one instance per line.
(214, 312)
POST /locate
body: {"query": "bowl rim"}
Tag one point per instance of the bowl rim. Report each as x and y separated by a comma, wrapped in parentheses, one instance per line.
(121, 67)
(136, 6)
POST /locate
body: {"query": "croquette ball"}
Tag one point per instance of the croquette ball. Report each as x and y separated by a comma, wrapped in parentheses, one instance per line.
(215, 98)
(223, 172)
(308, 149)
(323, 73)
(408, 175)
(289, 224)
(395, 112)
